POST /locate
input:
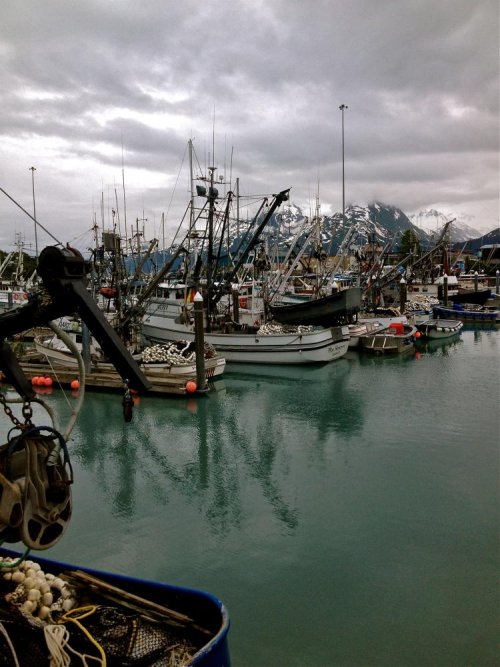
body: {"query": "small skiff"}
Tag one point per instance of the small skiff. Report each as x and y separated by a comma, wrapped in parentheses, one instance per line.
(436, 328)
(394, 339)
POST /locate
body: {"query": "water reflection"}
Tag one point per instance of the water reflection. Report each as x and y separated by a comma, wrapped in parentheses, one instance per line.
(212, 449)
(442, 347)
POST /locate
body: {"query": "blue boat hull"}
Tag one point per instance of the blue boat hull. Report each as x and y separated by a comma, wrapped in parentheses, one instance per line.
(459, 313)
(207, 610)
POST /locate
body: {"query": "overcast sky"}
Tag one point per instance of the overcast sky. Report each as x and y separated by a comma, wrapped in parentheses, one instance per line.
(85, 84)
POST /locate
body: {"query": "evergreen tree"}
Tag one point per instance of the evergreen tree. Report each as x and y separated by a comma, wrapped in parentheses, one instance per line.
(409, 244)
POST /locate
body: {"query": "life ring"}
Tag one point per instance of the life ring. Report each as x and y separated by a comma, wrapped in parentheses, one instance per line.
(243, 301)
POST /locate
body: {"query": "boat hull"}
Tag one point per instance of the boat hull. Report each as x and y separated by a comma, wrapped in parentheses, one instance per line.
(439, 329)
(470, 296)
(469, 316)
(205, 609)
(389, 342)
(318, 346)
(214, 366)
(326, 311)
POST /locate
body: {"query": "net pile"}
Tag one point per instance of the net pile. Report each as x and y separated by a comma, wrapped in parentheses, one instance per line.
(128, 640)
(80, 622)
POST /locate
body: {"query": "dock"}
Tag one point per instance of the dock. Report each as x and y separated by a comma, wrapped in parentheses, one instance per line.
(106, 378)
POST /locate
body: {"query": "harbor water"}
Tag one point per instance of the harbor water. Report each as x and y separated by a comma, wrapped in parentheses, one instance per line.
(347, 514)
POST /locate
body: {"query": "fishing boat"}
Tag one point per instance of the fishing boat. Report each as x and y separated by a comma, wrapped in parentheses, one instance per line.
(331, 310)
(168, 359)
(12, 296)
(397, 338)
(437, 328)
(13, 289)
(168, 320)
(131, 621)
(470, 313)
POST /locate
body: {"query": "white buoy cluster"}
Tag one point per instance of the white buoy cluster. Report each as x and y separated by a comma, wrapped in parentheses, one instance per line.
(170, 354)
(38, 595)
(424, 303)
(176, 354)
(270, 329)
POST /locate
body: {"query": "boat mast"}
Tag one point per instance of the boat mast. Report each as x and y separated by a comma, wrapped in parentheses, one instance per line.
(212, 193)
(342, 107)
(124, 200)
(33, 169)
(191, 182)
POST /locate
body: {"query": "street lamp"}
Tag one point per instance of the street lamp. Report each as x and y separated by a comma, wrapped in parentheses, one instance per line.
(342, 107)
(33, 169)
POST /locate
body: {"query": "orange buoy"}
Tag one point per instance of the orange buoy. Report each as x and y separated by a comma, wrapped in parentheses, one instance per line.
(417, 334)
(34, 380)
(108, 292)
(75, 384)
(47, 382)
(191, 386)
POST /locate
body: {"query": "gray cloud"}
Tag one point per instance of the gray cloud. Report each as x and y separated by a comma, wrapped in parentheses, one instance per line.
(82, 81)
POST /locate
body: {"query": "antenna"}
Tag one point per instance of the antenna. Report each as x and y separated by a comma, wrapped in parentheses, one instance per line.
(124, 200)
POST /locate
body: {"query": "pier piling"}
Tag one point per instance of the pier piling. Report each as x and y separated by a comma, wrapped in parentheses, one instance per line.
(199, 342)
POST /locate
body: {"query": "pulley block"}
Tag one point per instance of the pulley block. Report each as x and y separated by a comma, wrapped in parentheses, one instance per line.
(35, 488)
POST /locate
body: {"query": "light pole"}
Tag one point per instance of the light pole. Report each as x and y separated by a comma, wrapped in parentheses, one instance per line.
(342, 107)
(33, 169)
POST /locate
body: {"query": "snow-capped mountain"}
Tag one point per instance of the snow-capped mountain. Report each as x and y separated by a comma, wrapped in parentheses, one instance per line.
(378, 222)
(491, 238)
(431, 220)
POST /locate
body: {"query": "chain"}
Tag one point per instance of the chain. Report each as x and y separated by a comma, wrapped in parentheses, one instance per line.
(26, 410)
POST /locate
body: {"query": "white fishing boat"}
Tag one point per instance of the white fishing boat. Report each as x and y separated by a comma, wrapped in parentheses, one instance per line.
(167, 319)
(13, 289)
(176, 359)
(12, 297)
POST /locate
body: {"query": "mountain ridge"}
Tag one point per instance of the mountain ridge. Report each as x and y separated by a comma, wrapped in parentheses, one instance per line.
(378, 222)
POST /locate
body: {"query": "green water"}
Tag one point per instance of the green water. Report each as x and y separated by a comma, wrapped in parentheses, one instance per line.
(347, 515)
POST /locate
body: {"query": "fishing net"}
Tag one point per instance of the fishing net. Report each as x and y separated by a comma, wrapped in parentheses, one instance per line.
(130, 640)
(127, 639)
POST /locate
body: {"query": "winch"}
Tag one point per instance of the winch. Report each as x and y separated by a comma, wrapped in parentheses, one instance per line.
(35, 470)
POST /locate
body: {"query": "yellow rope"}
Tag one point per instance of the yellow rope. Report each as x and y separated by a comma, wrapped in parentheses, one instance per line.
(84, 612)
